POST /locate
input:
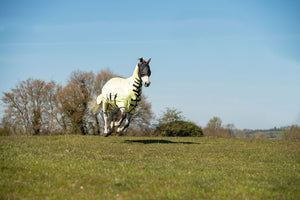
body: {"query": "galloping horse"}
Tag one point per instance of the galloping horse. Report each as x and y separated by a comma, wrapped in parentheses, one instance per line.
(124, 95)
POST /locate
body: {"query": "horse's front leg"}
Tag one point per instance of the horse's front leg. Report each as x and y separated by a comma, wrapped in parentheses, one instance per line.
(123, 116)
(126, 124)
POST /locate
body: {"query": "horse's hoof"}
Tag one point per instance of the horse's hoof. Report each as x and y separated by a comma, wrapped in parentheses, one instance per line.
(106, 134)
(119, 130)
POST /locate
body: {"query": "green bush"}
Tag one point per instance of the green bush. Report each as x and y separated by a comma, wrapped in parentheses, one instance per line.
(179, 129)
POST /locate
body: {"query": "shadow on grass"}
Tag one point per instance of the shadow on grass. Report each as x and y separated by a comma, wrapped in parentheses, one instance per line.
(157, 141)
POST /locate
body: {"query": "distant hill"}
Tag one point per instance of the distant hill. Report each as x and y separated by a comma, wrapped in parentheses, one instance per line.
(260, 133)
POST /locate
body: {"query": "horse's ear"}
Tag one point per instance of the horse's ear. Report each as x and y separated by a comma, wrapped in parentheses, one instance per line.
(149, 60)
(141, 59)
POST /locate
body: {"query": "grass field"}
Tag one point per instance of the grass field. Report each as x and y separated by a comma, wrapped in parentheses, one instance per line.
(93, 167)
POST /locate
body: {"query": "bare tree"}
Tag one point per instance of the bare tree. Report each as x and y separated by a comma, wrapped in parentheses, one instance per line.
(214, 128)
(215, 123)
(28, 106)
(72, 101)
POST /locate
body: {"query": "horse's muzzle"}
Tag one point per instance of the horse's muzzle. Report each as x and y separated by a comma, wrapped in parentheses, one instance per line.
(147, 84)
(146, 81)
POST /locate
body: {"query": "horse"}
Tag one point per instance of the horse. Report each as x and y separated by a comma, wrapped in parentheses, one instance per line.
(122, 94)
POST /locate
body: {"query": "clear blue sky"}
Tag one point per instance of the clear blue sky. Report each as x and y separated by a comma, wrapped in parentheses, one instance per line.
(239, 60)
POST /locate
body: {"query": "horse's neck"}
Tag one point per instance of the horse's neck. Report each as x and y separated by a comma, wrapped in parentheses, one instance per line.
(135, 74)
(135, 82)
(134, 77)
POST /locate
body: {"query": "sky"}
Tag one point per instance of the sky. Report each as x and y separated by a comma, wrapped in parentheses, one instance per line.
(238, 60)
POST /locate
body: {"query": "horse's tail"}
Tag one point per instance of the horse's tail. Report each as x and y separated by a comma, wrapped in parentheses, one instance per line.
(95, 104)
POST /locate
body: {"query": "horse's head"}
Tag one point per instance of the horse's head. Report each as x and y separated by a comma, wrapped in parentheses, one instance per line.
(144, 71)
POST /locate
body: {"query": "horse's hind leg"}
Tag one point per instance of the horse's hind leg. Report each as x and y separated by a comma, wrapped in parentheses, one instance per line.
(106, 129)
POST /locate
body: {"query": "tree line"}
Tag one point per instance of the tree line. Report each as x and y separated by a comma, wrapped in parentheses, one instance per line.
(38, 107)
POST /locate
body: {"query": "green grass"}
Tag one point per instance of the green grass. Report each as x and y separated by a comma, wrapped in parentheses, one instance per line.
(92, 167)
